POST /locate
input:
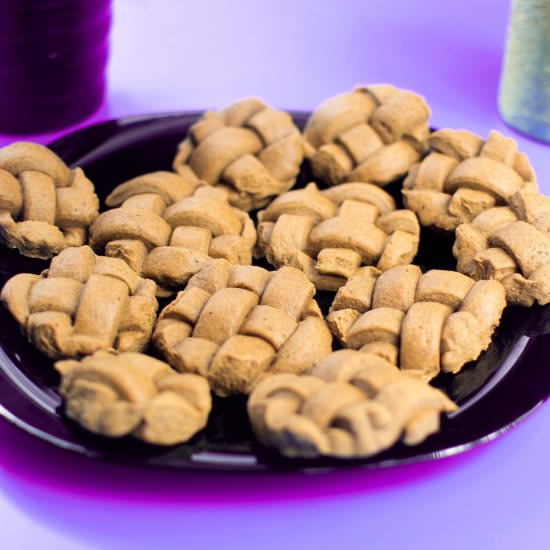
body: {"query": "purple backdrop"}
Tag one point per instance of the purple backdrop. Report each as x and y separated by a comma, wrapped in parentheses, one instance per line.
(169, 56)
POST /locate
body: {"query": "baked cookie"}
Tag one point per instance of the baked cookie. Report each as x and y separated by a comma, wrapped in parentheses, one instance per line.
(81, 304)
(45, 206)
(512, 245)
(373, 134)
(465, 175)
(134, 394)
(167, 227)
(352, 405)
(248, 148)
(439, 320)
(330, 234)
(237, 324)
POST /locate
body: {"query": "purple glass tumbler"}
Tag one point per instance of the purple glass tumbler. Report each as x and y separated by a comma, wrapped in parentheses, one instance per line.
(53, 57)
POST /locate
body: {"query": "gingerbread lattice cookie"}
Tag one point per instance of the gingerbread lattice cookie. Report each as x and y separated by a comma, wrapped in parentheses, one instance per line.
(44, 205)
(238, 324)
(373, 134)
(134, 394)
(167, 227)
(439, 320)
(330, 234)
(250, 149)
(464, 176)
(352, 405)
(510, 244)
(83, 303)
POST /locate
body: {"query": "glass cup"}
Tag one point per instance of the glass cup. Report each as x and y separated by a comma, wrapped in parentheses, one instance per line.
(53, 57)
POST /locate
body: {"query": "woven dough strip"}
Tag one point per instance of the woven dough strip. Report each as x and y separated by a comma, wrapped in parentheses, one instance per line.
(83, 303)
(439, 320)
(44, 205)
(134, 394)
(464, 176)
(248, 148)
(330, 234)
(167, 227)
(373, 134)
(512, 245)
(352, 405)
(238, 324)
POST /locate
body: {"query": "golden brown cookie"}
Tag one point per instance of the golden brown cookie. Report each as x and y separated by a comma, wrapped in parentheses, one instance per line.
(330, 234)
(237, 324)
(83, 303)
(248, 148)
(45, 206)
(512, 245)
(373, 134)
(465, 175)
(134, 394)
(167, 227)
(439, 320)
(352, 405)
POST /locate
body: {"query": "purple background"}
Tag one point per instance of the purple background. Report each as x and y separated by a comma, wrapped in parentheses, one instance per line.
(169, 56)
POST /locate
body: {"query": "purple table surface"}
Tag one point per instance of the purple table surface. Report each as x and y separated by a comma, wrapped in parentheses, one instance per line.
(172, 56)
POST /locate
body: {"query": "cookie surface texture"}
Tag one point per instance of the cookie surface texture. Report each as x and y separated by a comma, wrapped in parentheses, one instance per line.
(45, 206)
(83, 303)
(465, 175)
(166, 227)
(352, 405)
(425, 323)
(238, 324)
(512, 245)
(372, 134)
(331, 234)
(248, 148)
(134, 394)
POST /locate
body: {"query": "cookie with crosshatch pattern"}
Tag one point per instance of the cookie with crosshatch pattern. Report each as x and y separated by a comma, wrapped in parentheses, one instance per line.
(351, 405)
(81, 304)
(45, 206)
(237, 324)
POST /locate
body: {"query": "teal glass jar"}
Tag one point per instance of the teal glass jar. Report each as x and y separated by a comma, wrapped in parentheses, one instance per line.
(524, 95)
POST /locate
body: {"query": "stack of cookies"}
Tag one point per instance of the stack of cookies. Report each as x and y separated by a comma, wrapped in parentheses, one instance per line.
(348, 382)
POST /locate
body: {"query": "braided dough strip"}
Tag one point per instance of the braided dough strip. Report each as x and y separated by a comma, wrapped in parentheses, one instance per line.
(236, 325)
(352, 405)
(166, 227)
(134, 394)
(330, 234)
(372, 134)
(252, 151)
(512, 245)
(464, 176)
(83, 303)
(439, 320)
(44, 205)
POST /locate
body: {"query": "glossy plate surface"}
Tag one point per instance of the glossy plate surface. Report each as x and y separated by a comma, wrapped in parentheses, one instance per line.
(510, 380)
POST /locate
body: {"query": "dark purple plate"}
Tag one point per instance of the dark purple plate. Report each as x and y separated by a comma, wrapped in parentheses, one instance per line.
(509, 381)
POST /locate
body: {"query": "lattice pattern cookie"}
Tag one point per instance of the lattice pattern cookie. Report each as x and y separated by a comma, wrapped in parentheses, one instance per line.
(352, 405)
(464, 176)
(238, 324)
(44, 205)
(424, 323)
(330, 234)
(512, 245)
(373, 134)
(167, 228)
(251, 150)
(134, 394)
(83, 303)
